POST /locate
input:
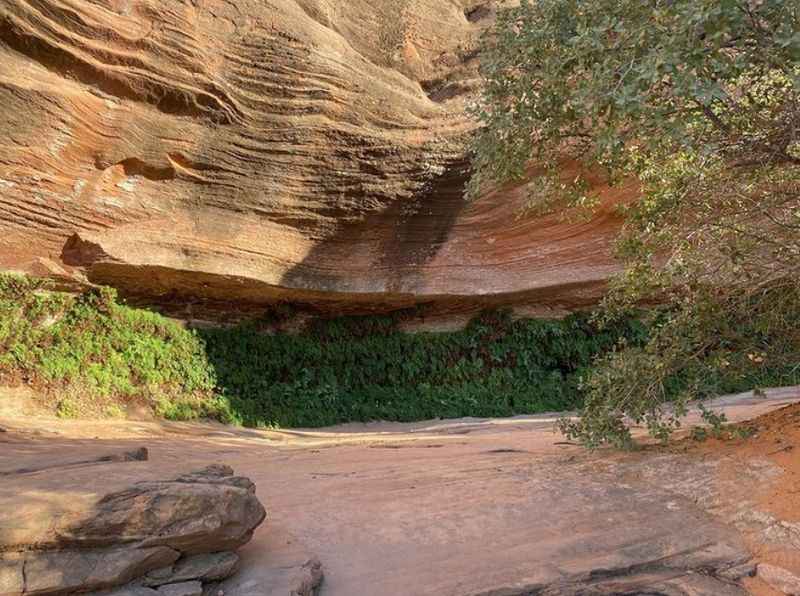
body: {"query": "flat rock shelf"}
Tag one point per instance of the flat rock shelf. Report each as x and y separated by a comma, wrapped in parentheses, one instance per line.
(446, 508)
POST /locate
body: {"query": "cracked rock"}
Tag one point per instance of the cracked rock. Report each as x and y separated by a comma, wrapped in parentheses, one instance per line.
(206, 568)
(192, 588)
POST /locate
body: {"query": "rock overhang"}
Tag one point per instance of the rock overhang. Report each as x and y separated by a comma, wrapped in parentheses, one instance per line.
(304, 150)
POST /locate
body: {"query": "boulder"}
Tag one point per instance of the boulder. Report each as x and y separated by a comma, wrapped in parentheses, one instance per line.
(301, 578)
(174, 535)
(193, 514)
(67, 571)
(218, 474)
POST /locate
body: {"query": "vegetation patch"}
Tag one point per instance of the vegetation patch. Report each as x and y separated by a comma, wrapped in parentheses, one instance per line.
(698, 101)
(94, 356)
(364, 368)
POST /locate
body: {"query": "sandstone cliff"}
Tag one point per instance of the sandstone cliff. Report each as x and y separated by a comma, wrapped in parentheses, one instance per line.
(231, 154)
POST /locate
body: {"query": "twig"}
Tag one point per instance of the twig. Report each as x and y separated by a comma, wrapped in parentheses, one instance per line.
(782, 449)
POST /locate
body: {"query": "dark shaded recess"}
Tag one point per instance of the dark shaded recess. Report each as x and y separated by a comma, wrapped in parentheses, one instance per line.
(78, 252)
(137, 167)
(479, 13)
(170, 101)
(414, 231)
(423, 227)
(440, 91)
(230, 299)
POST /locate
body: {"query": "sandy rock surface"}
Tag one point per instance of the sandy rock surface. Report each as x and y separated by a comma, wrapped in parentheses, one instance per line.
(457, 508)
(780, 579)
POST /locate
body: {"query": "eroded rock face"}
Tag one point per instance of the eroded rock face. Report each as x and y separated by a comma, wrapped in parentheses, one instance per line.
(205, 567)
(227, 155)
(70, 571)
(190, 515)
(167, 538)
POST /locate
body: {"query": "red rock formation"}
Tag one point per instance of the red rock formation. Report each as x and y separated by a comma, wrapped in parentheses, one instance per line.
(232, 154)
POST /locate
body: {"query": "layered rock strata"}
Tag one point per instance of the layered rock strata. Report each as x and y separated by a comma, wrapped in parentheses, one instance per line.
(166, 538)
(221, 156)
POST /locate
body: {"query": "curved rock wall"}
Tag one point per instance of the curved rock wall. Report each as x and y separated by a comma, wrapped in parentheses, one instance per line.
(229, 154)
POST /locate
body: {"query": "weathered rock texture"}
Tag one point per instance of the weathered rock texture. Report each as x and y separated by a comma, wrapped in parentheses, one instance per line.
(456, 508)
(780, 579)
(227, 155)
(168, 538)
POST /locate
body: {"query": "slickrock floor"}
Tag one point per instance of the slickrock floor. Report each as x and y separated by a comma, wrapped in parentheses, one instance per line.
(462, 508)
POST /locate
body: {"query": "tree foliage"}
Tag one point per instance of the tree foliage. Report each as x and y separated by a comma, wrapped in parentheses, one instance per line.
(699, 100)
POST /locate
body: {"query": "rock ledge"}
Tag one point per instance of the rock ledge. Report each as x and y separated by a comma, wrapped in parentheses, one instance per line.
(166, 538)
